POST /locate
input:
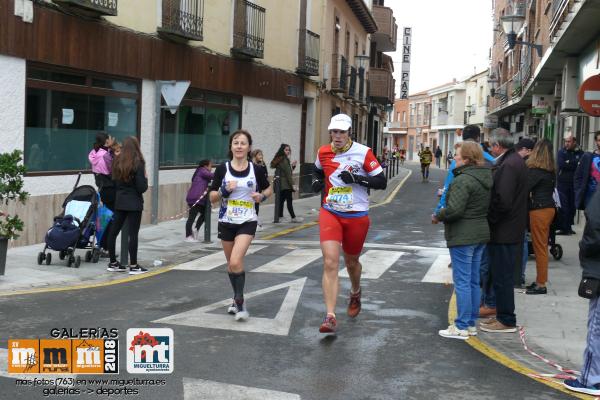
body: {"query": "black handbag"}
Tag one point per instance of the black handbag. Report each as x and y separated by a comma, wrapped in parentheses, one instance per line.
(589, 288)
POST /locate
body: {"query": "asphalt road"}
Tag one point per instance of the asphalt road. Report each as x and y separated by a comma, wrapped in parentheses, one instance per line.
(391, 351)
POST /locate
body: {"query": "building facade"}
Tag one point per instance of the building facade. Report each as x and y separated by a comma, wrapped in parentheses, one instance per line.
(448, 117)
(396, 130)
(419, 124)
(535, 93)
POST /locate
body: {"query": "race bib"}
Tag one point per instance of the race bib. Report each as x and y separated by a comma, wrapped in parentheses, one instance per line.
(340, 198)
(239, 211)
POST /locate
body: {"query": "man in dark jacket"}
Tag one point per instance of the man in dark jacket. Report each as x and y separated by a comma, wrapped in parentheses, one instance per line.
(567, 159)
(587, 175)
(589, 257)
(507, 219)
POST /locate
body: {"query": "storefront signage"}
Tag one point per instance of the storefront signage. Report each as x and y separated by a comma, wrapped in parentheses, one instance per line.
(589, 96)
(405, 63)
(541, 104)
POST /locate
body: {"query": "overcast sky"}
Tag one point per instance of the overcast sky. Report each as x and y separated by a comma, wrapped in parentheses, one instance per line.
(450, 39)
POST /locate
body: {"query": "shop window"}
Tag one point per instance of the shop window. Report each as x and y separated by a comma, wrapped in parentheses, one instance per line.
(62, 120)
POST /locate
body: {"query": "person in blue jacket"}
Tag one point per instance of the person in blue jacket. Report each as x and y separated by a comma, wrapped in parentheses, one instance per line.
(587, 175)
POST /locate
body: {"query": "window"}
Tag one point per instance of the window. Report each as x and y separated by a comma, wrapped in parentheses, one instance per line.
(64, 112)
(200, 129)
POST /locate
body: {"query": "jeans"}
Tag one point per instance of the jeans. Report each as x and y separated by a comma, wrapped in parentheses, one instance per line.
(465, 273)
(590, 375)
(488, 298)
(502, 258)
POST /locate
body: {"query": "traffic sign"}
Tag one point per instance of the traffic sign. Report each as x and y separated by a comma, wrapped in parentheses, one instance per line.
(589, 96)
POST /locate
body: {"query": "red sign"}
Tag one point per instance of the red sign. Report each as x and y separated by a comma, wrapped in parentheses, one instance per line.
(589, 96)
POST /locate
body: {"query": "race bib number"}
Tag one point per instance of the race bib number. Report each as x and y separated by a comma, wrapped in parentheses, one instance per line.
(340, 198)
(239, 211)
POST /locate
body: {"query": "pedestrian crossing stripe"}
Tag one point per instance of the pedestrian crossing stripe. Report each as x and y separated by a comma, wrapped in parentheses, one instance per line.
(439, 271)
(202, 389)
(290, 262)
(375, 263)
(211, 261)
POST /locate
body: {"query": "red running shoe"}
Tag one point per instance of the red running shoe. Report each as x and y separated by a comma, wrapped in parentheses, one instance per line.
(329, 324)
(354, 304)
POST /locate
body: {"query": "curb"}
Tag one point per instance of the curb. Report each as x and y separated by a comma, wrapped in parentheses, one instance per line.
(505, 360)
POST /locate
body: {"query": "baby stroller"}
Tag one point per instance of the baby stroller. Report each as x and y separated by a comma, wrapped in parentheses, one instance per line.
(74, 228)
(555, 249)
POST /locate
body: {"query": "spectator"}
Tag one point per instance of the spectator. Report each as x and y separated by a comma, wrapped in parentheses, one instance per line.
(507, 218)
(524, 148)
(258, 159)
(449, 159)
(587, 175)
(283, 169)
(438, 157)
(196, 199)
(101, 158)
(589, 257)
(567, 159)
(467, 232)
(131, 180)
(541, 178)
(425, 157)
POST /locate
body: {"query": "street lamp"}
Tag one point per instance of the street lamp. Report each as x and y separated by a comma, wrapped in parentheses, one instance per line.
(361, 61)
(493, 85)
(511, 25)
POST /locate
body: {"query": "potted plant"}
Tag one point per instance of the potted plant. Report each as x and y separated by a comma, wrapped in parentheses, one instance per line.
(11, 190)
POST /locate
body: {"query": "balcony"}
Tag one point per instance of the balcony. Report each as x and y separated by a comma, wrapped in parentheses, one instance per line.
(308, 53)
(387, 29)
(248, 30)
(381, 86)
(182, 19)
(352, 85)
(560, 9)
(90, 8)
(339, 73)
(361, 85)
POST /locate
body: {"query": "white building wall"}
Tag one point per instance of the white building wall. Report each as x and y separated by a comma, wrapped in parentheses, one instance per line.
(12, 98)
(272, 123)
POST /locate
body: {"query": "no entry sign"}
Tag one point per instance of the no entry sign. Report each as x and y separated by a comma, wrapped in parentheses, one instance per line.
(589, 96)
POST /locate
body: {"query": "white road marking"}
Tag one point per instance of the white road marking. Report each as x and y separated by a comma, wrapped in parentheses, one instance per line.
(439, 271)
(392, 246)
(375, 263)
(202, 389)
(211, 261)
(280, 325)
(290, 262)
(4, 370)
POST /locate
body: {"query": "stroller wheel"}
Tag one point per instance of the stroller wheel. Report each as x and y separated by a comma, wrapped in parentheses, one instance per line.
(41, 257)
(77, 261)
(70, 261)
(556, 251)
(48, 258)
(61, 255)
(95, 255)
(88, 256)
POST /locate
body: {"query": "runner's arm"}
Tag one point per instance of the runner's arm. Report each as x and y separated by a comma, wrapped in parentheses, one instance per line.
(372, 182)
(317, 180)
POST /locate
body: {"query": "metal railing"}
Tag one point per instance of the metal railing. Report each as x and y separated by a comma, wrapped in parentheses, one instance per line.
(99, 7)
(339, 73)
(183, 18)
(361, 85)
(352, 85)
(559, 9)
(249, 29)
(308, 53)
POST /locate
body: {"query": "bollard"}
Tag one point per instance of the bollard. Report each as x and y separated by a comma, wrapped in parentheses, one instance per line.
(393, 167)
(387, 171)
(125, 243)
(207, 220)
(277, 189)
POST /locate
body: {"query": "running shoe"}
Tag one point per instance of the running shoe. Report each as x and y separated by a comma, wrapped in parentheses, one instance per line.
(190, 239)
(116, 267)
(242, 314)
(137, 270)
(354, 304)
(576, 386)
(454, 333)
(329, 324)
(233, 308)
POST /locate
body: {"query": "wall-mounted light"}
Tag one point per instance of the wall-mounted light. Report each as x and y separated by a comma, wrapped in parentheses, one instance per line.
(511, 25)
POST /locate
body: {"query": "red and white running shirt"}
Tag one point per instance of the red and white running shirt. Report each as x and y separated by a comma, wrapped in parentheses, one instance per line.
(341, 197)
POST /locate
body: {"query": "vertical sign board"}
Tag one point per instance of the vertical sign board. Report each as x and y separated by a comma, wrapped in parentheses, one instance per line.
(405, 63)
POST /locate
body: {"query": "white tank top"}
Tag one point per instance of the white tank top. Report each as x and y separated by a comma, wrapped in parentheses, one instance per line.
(239, 206)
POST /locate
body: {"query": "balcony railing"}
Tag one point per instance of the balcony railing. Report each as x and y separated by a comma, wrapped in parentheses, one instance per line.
(361, 85)
(249, 30)
(339, 73)
(559, 9)
(308, 53)
(387, 29)
(183, 18)
(92, 7)
(381, 86)
(352, 85)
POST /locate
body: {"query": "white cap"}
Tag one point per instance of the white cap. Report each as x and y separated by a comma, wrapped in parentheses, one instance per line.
(340, 122)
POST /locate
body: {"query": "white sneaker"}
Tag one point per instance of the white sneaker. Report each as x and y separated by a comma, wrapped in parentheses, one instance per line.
(233, 309)
(242, 314)
(297, 219)
(472, 330)
(190, 239)
(454, 333)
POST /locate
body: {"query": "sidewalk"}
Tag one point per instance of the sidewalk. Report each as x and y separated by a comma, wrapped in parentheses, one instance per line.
(161, 244)
(555, 325)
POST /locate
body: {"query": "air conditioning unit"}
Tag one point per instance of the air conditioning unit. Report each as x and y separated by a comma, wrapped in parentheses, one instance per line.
(569, 86)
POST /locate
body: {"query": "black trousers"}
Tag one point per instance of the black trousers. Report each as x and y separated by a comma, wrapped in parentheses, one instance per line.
(134, 220)
(502, 263)
(194, 211)
(567, 210)
(286, 195)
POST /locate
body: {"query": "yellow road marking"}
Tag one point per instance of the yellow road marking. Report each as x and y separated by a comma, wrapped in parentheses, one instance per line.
(495, 355)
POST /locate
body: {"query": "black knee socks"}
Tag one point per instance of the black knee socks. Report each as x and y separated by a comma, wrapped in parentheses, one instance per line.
(238, 281)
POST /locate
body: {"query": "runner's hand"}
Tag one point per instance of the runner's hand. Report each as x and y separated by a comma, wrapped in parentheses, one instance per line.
(257, 197)
(317, 185)
(347, 177)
